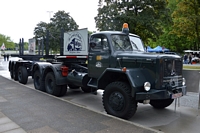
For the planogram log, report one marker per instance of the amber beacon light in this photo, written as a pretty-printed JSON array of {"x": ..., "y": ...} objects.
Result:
[{"x": 125, "y": 28}]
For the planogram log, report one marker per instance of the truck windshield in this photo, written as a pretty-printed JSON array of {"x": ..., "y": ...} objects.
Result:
[
  {"x": 136, "y": 43},
  {"x": 121, "y": 43}
]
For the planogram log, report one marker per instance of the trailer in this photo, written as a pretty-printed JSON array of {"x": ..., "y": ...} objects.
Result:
[
  {"x": 116, "y": 62},
  {"x": 23, "y": 68}
]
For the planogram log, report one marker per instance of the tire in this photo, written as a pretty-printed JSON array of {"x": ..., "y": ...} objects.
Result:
[
  {"x": 15, "y": 76},
  {"x": 63, "y": 90},
  {"x": 22, "y": 75},
  {"x": 117, "y": 100},
  {"x": 160, "y": 104},
  {"x": 38, "y": 83},
  {"x": 50, "y": 85},
  {"x": 11, "y": 70},
  {"x": 88, "y": 89},
  {"x": 11, "y": 74},
  {"x": 9, "y": 65}
]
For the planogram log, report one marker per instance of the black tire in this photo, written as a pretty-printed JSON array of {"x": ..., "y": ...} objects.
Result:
[
  {"x": 39, "y": 84},
  {"x": 22, "y": 75},
  {"x": 117, "y": 100},
  {"x": 11, "y": 74},
  {"x": 11, "y": 70},
  {"x": 63, "y": 90},
  {"x": 160, "y": 104},
  {"x": 15, "y": 76},
  {"x": 50, "y": 85},
  {"x": 88, "y": 89}
]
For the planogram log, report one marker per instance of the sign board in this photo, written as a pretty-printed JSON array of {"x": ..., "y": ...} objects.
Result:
[
  {"x": 3, "y": 47},
  {"x": 31, "y": 46},
  {"x": 76, "y": 42}
]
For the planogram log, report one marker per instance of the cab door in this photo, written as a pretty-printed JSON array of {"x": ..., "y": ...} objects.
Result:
[{"x": 99, "y": 55}]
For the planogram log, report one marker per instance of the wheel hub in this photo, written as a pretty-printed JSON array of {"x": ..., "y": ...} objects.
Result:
[{"x": 116, "y": 101}]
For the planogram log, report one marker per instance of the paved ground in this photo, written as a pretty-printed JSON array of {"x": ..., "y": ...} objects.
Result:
[{"x": 26, "y": 110}]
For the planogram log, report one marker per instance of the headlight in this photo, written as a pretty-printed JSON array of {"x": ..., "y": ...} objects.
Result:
[
  {"x": 147, "y": 86},
  {"x": 184, "y": 81}
]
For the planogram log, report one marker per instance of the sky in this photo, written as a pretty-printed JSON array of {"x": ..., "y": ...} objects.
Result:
[{"x": 18, "y": 18}]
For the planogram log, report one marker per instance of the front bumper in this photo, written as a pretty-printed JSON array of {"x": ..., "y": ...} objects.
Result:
[{"x": 161, "y": 94}]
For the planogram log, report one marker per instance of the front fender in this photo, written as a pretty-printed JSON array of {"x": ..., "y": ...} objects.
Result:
[{"x": 134, "y": 77}]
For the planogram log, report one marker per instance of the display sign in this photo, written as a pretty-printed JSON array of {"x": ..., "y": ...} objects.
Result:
[
  {"x": 76, "y": 42},
  {"x": 31, "y": 46}
]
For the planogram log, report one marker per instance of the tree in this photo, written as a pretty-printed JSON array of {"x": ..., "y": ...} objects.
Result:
[
  {"x": 145, "y": 17},
  {"x": 60, "y": 21},
  {"x": 169, "y": 39},
  {"x": 187, "y": 20},
  {"x": 7, "y": 42}
]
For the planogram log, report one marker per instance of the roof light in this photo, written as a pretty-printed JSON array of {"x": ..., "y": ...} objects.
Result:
[
  {"x": 125, "y": 25},
  {"x": 125, "y": 28},
  {"x": 124, "y": 69}
]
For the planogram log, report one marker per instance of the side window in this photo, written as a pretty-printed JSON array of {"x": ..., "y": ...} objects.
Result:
[{"x": 100, "y": 43}]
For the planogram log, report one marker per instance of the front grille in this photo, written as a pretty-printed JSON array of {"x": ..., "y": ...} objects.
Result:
[{"x": 172, "y": 67}]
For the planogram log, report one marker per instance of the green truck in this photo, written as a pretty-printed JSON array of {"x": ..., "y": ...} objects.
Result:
[{"x": 116, "y": 62}]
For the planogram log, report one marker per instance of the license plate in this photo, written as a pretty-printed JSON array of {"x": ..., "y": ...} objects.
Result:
[{"x": 177, "y": 95}]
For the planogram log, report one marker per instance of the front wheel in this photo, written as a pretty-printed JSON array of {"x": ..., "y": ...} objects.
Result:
[
  {"x": 15, "y": 74},
  {"x": 117, "y": 100},
  {"x": 160, "y": 104}
]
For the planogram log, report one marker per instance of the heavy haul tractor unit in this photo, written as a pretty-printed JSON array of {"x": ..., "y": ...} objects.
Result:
[{"x": 116, "y": 62}]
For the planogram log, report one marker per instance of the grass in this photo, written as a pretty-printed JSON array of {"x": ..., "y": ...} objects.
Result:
[{"x": 191, "y": 67}]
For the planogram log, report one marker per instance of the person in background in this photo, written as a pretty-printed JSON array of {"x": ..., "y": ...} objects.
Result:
[
  {"x": 7, "y": 56},
  {"x": 185, "y": 59},
  {"x": 4, "y": 55},
  {"x": 190, "y": 59}
]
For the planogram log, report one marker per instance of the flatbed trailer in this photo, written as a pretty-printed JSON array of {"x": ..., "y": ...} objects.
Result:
[{"x": 23, "y": 68}]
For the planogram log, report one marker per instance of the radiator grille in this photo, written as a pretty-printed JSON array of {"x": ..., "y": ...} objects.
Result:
[{"x": 172, "y": 67}]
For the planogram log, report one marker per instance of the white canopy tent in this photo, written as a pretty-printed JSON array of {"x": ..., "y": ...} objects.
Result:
[{"x": 191, "y": 51}]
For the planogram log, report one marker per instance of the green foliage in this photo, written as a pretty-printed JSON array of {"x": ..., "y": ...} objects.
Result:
[
  {"x": 186, "y": 19},
  {"x": 145, "y": 18},
  {"x": 7, "y": 42}
]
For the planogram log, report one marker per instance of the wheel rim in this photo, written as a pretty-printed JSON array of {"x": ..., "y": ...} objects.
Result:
[
  {"x": 116, "y": 101},
  {"x": 49, "y": 85},
  {"x": 37, "y": 83},
  {"x": 19, "y": 75}
]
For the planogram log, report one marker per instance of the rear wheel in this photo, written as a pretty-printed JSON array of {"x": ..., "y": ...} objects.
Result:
[
  {"x": 15, "y": 76},
  {"x": 22, "y": 75},
  {"x": 117, "y": 100},
  {"x": 37, "y": 80},
  {"x": 50, "y": 85},
  {"x": 10, "y": 69},
  {"x": 63, "y": 90},
  {"x": 160, "y": 104}
]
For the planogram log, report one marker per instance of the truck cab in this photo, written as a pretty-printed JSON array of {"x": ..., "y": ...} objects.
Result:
[{"x": 118, "y": 61}]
